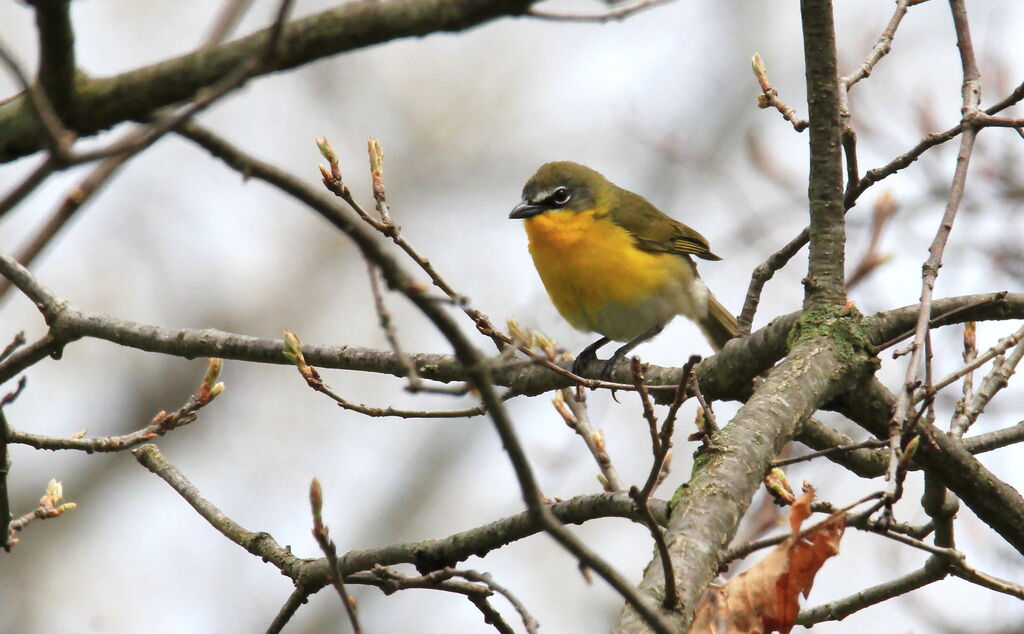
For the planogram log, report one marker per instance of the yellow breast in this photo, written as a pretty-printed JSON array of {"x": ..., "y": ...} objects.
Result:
[{"x": 597, "y": 278}]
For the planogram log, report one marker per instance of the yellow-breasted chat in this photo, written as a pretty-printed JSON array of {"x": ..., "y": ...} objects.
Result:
[{"x": 613, "y": 264}]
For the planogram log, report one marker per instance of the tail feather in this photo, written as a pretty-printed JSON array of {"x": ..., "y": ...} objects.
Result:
[{"x": 719, "y": 325}]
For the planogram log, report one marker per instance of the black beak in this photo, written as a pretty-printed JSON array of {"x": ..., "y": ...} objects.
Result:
[{"x": 526, "y": 209}]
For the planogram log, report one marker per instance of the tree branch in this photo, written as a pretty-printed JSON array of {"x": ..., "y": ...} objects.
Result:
[
  {"x": 56, "y": 53},
  {"x": 102, "y": 103}
]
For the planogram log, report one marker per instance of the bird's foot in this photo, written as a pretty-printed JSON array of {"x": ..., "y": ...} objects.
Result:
[
  {"x": 609, "y": 365},
  {"x": 588, "y": 355}
]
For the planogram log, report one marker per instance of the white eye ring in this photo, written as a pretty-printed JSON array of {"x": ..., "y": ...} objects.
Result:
[{"x": 561, "y": 196}]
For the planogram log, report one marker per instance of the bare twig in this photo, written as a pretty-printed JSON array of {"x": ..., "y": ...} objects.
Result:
[
  {"x": 997, "y": 379},
  {"x": 228, "y": 18},
  {"x": 645, "y": 401},
  {"x": 879, "y": 50},
  {"x": 884, "y": 210},
  {"x": 445, "y": 574},
  {"x": 65, "y": 211},
  {"x": 28, "y": 184},
  {"x": 296, "y": 599},
  {"x": 616, "y": 14},
  {"x": 17, "y": 342},
  {"x": 392, "y": 412},
  {"x": 661, "y": 446},
  {"x": 572, "y": 407},
  {"x": 50, "y": 505},
  {"x": 930, "y": 269},
  {"x": 384, "y": 318},
  {"x": 257, "y": 543},
  {"x": 5, "y": 500},
  {"x": 867, "y": 444},
  {"x": 293, "y": 352},
  {"x": 970, "y": 354},
  {"x": 764, "y": 272},
  {"x": 710, "y": 423},
  {"x": 161, "y": 424},
  {"x": 841, "y": 608},
  {"x": 680, "y": 395},
  {"x": 769, "y": 97},
  {"x": 323, "y": 539}
]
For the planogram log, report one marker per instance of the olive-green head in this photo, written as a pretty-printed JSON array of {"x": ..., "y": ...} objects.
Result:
[{"x": 562, "y": 185}]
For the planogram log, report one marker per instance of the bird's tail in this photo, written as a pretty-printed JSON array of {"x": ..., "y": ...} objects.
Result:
[{"x": 719, "y": 325}]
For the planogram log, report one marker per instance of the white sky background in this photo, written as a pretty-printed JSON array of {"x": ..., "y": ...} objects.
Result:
[{"x": 662, "y": 103}]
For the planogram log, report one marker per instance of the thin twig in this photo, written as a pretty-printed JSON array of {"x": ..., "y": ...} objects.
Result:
[
  {"x": 17, "y": 342},
  {"x": 841, "y": 608},
  {"x": 572, "y": 407},
  {"x": 386, "y": 324},
  {"x": 711, "y": 424},
  {"x": 884, "y": 210},
  {"x": 661, "y": 446},
  {"x": 615, "y": 14},
  {"x": 257, "y": 543},
  {"x": 294, "y": 352},
  {"x": 5, "y": 501},
  {"x": 970, "y": 354},
  {"x": 879, "y": 50},
  {"x": 296, "y": 599},
  {"x": 764, "y": 272},
  {"x": 645, "y": 401},
  {"x": 28, "y": 184},
  {"x": 323, "y": 539},
  {"x": 50, "y": 505},
  {"x": 92, "y": 183},
  {"x": 161, "y": 423},
  {"x": 867, "y": 444},
  {"x": 445, "y": 574},
  {"x": 997, "y": 379},
  {"x": 930, "y": 269},
  {"x": 392, "y": 412},
  {"x": 769, "y": 97},
  {"x": 227, "y": 20}
]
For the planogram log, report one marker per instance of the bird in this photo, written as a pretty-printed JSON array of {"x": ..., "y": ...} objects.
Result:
[{"x": 613, "y": 264}]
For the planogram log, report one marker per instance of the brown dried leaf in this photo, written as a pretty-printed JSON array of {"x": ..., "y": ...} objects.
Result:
[
  {"x": 765, "y": 598},
  {"x": 801, "y": 509}
]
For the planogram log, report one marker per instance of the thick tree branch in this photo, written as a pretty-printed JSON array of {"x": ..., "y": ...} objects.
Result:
[
  {"x": 995, "y": 502},
  {"x": 433, "y": 554},
  {"x": 824, "y": 285},
  {"x": 56, "y": 53},
  {"x": 102, "y": 103},
  {"x": 726, "y": 375},
  {"x": 707, "y": 512}
]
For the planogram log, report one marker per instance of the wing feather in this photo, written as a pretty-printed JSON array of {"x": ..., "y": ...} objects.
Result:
[{"x": 654, "y": 231}]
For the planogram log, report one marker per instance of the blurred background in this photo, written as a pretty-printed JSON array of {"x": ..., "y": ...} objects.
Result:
[{"x": 662, "y": 103}]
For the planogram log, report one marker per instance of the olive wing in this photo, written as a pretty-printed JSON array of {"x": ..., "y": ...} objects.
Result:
[{"x": 654, "y": 231}]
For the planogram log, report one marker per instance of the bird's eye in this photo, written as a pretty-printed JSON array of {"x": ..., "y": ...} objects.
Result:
[{"x": 561, "y": 196}]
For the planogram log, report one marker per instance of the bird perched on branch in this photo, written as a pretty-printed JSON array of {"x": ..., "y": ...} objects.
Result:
[{"x": 613, "y": 264}]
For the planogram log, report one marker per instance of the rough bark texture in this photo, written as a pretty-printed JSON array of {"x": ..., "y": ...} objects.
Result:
[
  {"x": 706, "y": 511},
  {"x": 824, "y": 282}
]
